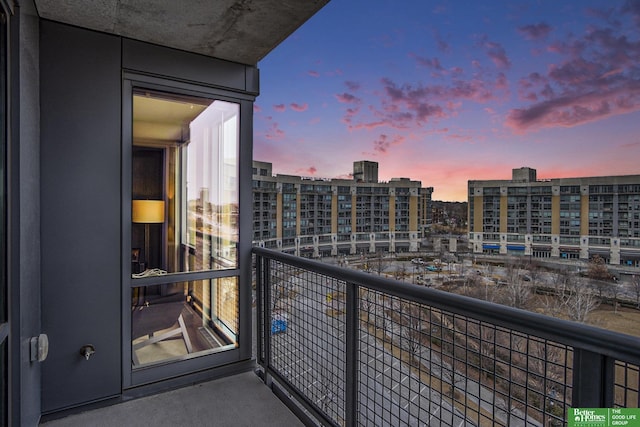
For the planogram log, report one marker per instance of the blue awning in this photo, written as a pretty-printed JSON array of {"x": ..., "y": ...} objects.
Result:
[
  {"x": 488, "y": 246},
  {"x": 515, "y": 247}
]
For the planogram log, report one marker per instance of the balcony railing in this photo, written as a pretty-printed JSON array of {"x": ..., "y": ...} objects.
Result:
[{"x": 346, "y": 348}]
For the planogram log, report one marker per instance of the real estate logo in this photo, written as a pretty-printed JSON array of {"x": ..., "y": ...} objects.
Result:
[
  {"x": 603, "y": 417},
  {"x": 590, "y": 417}
]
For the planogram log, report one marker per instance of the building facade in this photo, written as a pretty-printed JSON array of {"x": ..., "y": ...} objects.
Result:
[
  {"x": 326, "y": 217},
  {"x": 564, "y": 218}
]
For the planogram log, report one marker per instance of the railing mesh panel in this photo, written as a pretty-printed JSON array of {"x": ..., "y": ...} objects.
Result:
[
  {"x": 308, "y": 335},
  {"x": 424, "y": 366},
  {"x": 415, "y": 363},
  {"x": 626, "y": 385}
]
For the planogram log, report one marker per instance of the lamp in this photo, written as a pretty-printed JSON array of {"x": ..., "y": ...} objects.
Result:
[{"x": 147, "y": 212}]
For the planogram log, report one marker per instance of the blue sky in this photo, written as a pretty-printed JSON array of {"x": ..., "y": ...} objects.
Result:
[{"x": 447, "y": 91}]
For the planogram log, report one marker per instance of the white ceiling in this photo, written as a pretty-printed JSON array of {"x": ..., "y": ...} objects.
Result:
[{"x": 242, "y": 31}]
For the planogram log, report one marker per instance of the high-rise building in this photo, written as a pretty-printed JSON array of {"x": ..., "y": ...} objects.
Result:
[
  {"x": 322, "y": 217},
  {"x": 566, "y": 218}
]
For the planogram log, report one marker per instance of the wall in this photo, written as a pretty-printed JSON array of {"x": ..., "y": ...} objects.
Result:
[{"x": 80, "y": 208}]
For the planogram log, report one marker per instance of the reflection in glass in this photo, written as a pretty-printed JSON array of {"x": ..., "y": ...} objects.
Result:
[
  {"x": 183, "y": 320},
  {"x": 212, "y": 188},
  {"x": 185, "y": 155}
]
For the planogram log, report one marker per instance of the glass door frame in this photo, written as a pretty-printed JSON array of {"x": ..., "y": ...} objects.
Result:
[{"x": 211, "y": 365}]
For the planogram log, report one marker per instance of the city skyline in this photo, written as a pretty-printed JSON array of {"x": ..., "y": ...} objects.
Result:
[{"x": 446, "y": 92}]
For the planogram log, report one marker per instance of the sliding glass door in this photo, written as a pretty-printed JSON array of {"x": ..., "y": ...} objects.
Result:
[{"x": 183, "y": 287}]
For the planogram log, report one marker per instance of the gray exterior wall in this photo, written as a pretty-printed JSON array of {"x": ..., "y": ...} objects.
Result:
[
  {"x": 29, "y": 142},
  {"x": 81, "y": 205}
]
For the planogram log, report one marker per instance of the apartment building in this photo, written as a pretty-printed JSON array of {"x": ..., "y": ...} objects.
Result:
[
  {"x": 324, "y": 217},
  {"x": 565, "y": 218}
]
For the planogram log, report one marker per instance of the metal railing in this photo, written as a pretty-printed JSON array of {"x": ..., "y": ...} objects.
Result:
[{"x": 347, "y": 348}]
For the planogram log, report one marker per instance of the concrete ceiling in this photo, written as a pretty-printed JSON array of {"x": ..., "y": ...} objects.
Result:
[{"x": 242, "y": 31}]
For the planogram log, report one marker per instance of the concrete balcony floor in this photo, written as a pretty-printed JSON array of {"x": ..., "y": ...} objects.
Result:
[{"x": 239, "y": 400}]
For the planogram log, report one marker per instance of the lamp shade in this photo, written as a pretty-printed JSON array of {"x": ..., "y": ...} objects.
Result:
[{"x": 147, "y": 211}]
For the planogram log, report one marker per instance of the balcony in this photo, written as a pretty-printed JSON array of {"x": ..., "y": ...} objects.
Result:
[{"x": 342, "y": 348}]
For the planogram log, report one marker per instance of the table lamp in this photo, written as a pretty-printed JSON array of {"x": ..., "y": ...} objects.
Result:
[{"x": 147, "y": 212}]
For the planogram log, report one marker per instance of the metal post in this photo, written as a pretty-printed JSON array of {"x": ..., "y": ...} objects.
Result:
[
  {"x": 593, "y": 377},
  {"x": 260, "y": 324},
  {"x": 352, "y": 318},
  {"x": 266, "y": 311}
]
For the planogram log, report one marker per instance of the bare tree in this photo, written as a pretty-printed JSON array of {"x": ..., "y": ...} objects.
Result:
[
  {"x": 327, "y": 385},
  {"x": 578, "y": 301},
  {"x": 380, "y": 263},
  {"x": 599, "y": 273},
  {"x": 411, "y": 320},
  {"x": 367, "y": 265},
  {"x": 615, "y": 292},
  {"x": 517, "y": 290},
  {"x": 283, "y": 289},
  {"x": 535, "y": 273},
  {"x": 367, "y": 303},
  {"x": 598, "y": 269},
  {"x": 400, "y": 272}
]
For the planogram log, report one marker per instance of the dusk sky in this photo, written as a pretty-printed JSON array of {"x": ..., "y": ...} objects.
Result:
[{"x": 447, "y": 91}]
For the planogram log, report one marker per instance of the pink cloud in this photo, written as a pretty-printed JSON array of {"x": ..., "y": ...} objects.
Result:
[
  {"x": 313, "y": 73},
  {"x": 347, "y": 175},
  {"x": 430, "y": 63},
  {"x": 596, "y": 79},
  {"x": 631, "y": 145},
  {"x": 280, "y": 108},
  {"x": 347, "y": 98},
  {"x": 632, "y": 8},
  {"x": 403, "y": 106},
  {"x": 299, "y": 107},
  {"x": 502, "y": 82},
  {"x": 457, "y": 71},
  {"x": 274, "y": 133},
  {"x": 442, "y": 45},
  {"x": 336, "y": 72},
  {"x": 535, "y": 31},
  {"x": 459, "y": 138},
  {"x": 349, "y": 114},
  {"x": 352, "y": 86},
  {"x": 577, "y": 109},
  {"x": 257, "y": 108},
  {"x": 311, "y": 170},
  {"x": 383, "y": 143},
  {"x": 368, "y": 126},
  {"x": 496, "y": 53}
]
